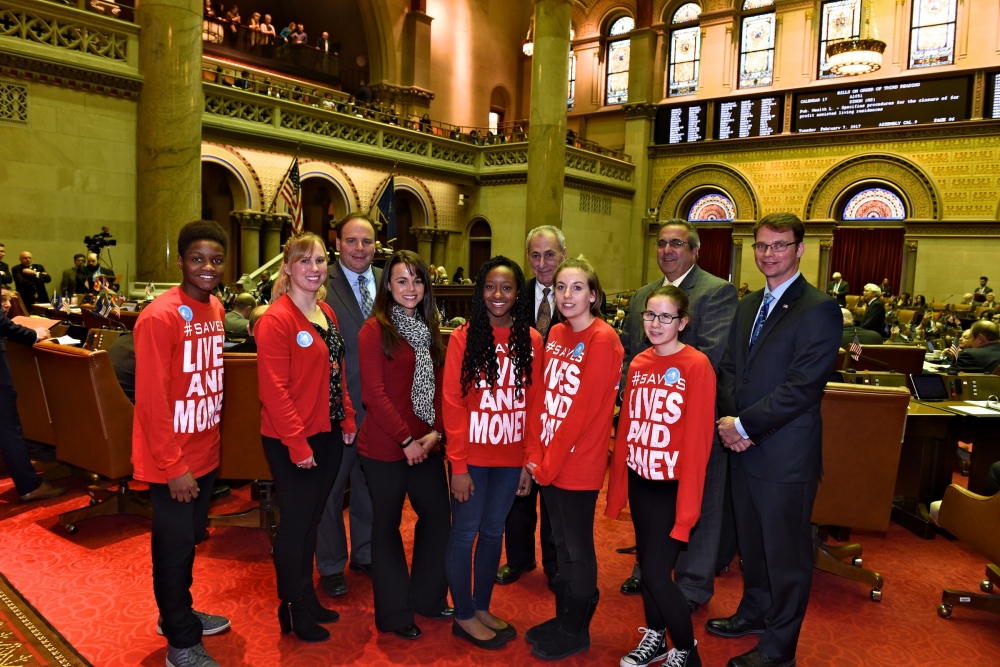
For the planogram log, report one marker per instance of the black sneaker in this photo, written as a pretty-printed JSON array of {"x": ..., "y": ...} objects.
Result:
[
  {"x": 651, "y": 649},
  {"x": 679, "y": 658}
]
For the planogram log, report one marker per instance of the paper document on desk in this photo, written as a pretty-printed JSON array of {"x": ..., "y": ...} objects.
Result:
[
  {"x": 976, "y": 410},
  {"x": 66, "y": 340}
]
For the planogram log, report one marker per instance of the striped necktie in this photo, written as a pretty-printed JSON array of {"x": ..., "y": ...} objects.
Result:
[
  {"x": 366, "y": 296},
  {"x": 761, "y": 317}
]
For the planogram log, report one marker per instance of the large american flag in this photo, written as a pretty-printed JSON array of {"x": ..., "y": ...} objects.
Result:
[{"x": 291, "y": 192}]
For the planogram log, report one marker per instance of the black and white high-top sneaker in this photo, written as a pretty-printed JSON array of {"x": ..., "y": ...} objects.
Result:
[
  {"x": 678, "y": 658},
  {"x": 651, "y": 649}
]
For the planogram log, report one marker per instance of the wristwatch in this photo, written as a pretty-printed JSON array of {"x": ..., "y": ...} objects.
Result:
[{"x": 406, "y": 443}]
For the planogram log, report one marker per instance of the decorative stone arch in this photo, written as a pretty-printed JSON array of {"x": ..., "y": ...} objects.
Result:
[
  {"x": 384, "y": 47},
  {"x": 703, "y": 178},
  {"x": 922, "y": 198},
  {"x": 415, "y": 188},
  {"x": 664, "y": 9},
  {"x": 610, "y": 13},
  {"x": 333, "y": 174},
  {"x": 247, "y": 191}
]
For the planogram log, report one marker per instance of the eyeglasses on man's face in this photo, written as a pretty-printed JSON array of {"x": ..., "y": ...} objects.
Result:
[
  {"x": 777, "y": 246},
  {"x": 664, "y": 318},
  {"x": 673, "y": 243}
]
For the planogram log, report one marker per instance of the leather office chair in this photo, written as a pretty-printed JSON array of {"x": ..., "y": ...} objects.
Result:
[
  {"x": 972, "y": 518},
  {"x": 242, "y": 455},
  {"x": 31, "y": 404},
  {"x": 905, "y": 316},
  {"x": 92, "y": 418},
  {"x": 17, "y": 307},
  {"x": 905, "y": 359},
  {"x": 859, "y": 476},
  {"x": 851, "y": 301}
]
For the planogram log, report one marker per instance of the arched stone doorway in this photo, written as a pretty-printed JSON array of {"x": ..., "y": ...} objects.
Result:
[
  {"x": 323, "y": 204},
  {"x": 410, "y": 215},
  {"x": 217, "y": 203},
  {"x": 480, "y": 245}
]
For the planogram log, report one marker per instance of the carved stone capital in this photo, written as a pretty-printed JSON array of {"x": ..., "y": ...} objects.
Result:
[
  {"x": 423, "y": 233},
  {"x": 261, "y": 220},
  {"x": 402, "y": 94},
  {"x": 825, "y": 244},
  {"x": 639, "y": 110},
  {"x": 911, "y": 245},
  {"x": 738, "y": 243}
]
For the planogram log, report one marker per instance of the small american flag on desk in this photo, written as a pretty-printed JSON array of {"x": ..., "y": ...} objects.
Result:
[
  {"x": 147, "y": 294},
  {"x": 855, "y": 348},
  {"x": 103, "y": 306},
  {"x": 953, "y": 350},
  {"x": 59, "y": 304}
]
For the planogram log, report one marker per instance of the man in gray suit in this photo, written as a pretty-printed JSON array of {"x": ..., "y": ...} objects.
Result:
[
  {"x": 350, "y": 291},
  {"x": 713, "y": 303}
]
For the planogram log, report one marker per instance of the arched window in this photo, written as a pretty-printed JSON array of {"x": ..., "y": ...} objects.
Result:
[
  {"x": 840, "y": 19},
  {"x": 619, "y": 50},
  {"x": 572, "y": 81},
  {"x": 757, "y": 44},
  {"x": 932, "y": 33},
  {"x": 875, "y": 204},
  {"x": 685, "y": 51},
  {"x": 712, "y": 207}
]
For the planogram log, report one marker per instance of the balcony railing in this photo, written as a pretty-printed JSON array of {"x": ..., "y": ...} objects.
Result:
[{"x": 116, "y": 10}]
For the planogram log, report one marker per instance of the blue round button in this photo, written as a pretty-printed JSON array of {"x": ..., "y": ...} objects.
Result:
[
  {"x": 186, "y": 313},
  {"x": 304, "y": 339}
]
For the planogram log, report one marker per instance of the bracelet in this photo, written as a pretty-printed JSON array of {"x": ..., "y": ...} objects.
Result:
[{"x": 406, "y": 443}]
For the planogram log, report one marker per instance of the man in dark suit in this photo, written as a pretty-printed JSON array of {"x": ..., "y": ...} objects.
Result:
[
  {"x": 5, "y": 277},
  {"x": 984, "y": 355},
  {"x": 73, "y": 278},
  {"x": 546, "y": 249},
  {"x": 874, "y": 319},
  {"x": 865, "y": 337},
  {"x": 30, "y": 280},
  {"x": 982, "y": 289},
  {"x": 712, "y": 305},
  {"x": 838, "y": 288},
  {"x": 350, "y": 291},
  {"x": 93, "y": 270},
  {"x": 782, "y": 347},
  {"x": 249, "y": 345}
]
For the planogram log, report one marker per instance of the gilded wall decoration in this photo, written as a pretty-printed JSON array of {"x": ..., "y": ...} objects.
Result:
[
  {"x": 13, "y": 102},
  {"x": 908, "y": 177},
  {"x": 708, "y": 175},
  {"x": 34, "y": 26}
]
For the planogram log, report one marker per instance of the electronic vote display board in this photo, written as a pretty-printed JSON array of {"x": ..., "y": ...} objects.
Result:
[
  {"x": 992, "y": 107},
  {"x": 882, "y": 104},
  {"x": 749, "y": 117},
  {"x": 681, "y": 123}
]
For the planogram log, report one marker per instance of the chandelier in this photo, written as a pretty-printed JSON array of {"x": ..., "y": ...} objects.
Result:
[{"x": 850, "y": 57}]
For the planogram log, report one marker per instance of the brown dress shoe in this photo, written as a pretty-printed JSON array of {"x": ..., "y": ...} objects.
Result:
[{"x": 43, "y": 492}]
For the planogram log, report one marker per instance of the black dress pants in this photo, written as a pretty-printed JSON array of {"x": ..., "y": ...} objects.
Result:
[
  {"x": 424, "y": 589},
  {"x": 302, "y": 495},
  {"x": 13, "y": 446},
  {"x": 177, "y": 528},
  {"x": 519, "y": 532},
  {"x": 572, "y": 516}
]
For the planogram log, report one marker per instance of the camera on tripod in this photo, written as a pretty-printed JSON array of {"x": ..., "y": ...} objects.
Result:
[{"x": 97, "y": 241}]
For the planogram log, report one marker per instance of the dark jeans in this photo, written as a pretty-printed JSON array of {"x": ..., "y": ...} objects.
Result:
[
  {"x": 654, "y": 509},
  {"x": 572, "y": 517},
  {"x": 424, "y": 589},
  {"x": 13, "y": 446},
  {"x": 302, "y": 495},
  {"x": 177, "y": 528},
  {"x": 519, "y": 533},
  {"x": 483, "y": 514}
]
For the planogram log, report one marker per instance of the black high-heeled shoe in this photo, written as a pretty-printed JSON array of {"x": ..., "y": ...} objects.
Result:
[
  {"x": 294, "y": 617},
  {"x": 316, "y": 609}
]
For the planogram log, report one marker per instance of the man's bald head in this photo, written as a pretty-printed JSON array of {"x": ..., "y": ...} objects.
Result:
[
  {"x": 244, "y": 304},
  {"x": 254, "y": 316},
  {"x": 848, "y": 317}
]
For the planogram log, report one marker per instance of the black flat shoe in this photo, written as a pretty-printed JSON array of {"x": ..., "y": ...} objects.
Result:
[
  {"x": 494, "y": 642},
  {"x": 632, "y": 586},
  {"x": 361, "y": 568},
  {"x": 734, "y": 626},
  {"x": 507, "y": 631},
  {"x": 508, "y": 574},
  {"x": 334, "y": 584},
  {"x": 411, "y": 631},
  {"x": 445, "y": 614}
]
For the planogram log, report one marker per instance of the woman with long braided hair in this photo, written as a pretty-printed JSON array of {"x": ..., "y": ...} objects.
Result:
[{"x": 493, "y": 367}]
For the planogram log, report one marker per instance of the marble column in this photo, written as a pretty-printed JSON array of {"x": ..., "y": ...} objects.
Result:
[
  {"x": 250, "y": 224},
  {"x": 168, "y": 142},
  {"x": 737, "y": 262},
  {"x": 272, "y": 237},
  {"x": 425, "y": 242},
  {"x": 547, "y": 129},
  {"x": 438, "y": 249}
]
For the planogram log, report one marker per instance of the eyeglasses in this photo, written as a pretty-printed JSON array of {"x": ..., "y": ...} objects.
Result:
[
  {"x": 777, "y": 246},
  {"x": 664, "y": 318},
  {"x": 673, "y": 243}
]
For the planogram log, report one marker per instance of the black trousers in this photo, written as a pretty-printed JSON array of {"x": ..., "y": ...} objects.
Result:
[
  {"x": 177, "y": 528},
  {"x": 302, "y": 495},
  {"x": 654, "y": 509},
  {"x": 774, "y": 529},
  {"x": 572, "y": 516},
  {"x": 424, "y": 589},
  {"x": 13, "y": 446},
  {"x": 519, "y": 532}
]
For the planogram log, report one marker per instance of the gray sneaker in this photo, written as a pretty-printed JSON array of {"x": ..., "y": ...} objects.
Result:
[
  {"x": 210, "y": 625},
  {"x": 189, "y": 657}
]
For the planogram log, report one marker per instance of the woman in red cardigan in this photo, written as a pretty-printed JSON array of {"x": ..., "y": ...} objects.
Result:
[
  {"x": 401, "y": 357},
  {"x": 305, "y": 413}
]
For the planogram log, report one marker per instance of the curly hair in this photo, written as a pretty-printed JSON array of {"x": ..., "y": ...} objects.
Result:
[{"x": 480, "y": 360}]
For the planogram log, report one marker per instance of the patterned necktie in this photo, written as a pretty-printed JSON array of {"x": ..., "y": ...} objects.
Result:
[
  {"x": 366, "y": 297},
  {"x": 544, "y": 319},
  {"x": 759, "y": 324}
]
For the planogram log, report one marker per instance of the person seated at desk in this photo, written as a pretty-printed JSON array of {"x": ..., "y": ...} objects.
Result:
[
  {"x": 967, "y": 299},
  {"x": 864, "y": 336},
  {"x": 249, "y": 346},
  {"x": 874, "y": 319},
  {"x": 237, "y": 320},
  {"x": 984, "y": 354}
]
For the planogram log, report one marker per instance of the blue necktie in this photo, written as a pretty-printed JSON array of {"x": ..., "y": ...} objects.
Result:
[{"x": 759, "y": 324}]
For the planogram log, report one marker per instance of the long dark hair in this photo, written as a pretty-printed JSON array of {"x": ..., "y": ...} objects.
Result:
[
  {"x": 426, "y": 310},
  {"x": 480, "y": 350}
]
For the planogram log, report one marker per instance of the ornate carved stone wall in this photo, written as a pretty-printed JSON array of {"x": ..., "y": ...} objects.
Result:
[
  {"x": 919, "y": 189},
  {"x": 716, "y": 175}
]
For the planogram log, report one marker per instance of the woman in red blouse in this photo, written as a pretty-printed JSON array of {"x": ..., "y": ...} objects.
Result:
[
  {"x": 305, "y": 413},
  {"x": 401, "y": 357}
]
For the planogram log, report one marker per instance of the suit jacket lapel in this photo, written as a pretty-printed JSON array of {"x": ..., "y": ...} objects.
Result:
[
  {"x": 342, "y": 290},
  {"x": 778, "y": 311}
]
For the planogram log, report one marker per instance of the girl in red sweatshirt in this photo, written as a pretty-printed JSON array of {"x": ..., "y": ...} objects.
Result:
[
  {"x": 492, "y": 372},
  {"x": 569, "y": 428},
  {"x": 661, "y": 454}
]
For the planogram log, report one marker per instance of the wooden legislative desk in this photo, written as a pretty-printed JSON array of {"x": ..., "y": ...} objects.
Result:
[
  {"x": 456, "y": 300},
  {"x": 87, "y": 317}
]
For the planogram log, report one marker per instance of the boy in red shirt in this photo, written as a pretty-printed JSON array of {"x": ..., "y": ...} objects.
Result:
[{"x": 175, "y": 433}]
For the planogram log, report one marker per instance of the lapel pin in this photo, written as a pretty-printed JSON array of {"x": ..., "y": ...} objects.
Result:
[{"x": 785, "y": 306}]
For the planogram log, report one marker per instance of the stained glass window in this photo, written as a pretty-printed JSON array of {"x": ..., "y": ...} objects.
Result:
[
  {"x": 572, "y": 80},
  {"x": 619, "y": 51},
  {"x": 840, "y": 19},
  {"x": 932, "y": 33},
  {"x": 685, "y": 52},
  {"x": 713, "y": 207},
  {"x": 875, "y": 204},
  {"x": 757, "y": 4},
  {"x": 688, "y": 12},
  {"x": 757, "y": 49}
]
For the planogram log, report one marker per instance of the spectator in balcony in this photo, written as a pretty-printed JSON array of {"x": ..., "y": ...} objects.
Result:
[
  {"x": 570, "y": 138},
  {"x": 324, "y": 44},
  {"x": 328, "y": 102},
  {"x": 266, "y": 37},
  {"x": 364, "y": 94},
  {"x": 253, "y": 26},
  {"x": 425, "y": 123},
  {"x": 267, "y": 88},
  {"x": 300, "y": 36},
  {"x": 244, "y": 81},
  {"x": 233, "y": 16},
  {"x": 474, "y": 137},
  {"x": 315, "y": 98},
  {"x": 490, "y": 138},
  {"x": 211, "y": 29}
]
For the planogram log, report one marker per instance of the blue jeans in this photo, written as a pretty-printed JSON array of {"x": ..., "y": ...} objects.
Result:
[{"x": 484, "y": 513}]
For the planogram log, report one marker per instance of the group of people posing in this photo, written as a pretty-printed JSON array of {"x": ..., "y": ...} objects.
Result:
[{"x": 522, "y": 398}]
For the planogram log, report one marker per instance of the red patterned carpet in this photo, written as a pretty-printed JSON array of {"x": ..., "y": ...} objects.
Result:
[{"x": 95, "y": 588}]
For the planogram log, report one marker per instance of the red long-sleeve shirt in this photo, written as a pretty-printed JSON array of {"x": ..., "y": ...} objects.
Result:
[
  {"x": 665, "y": 430},
  {"x": 294, "y": 378},
  {"x": 178, "y": 387},
  {"x": 385, "y": 391},
  {"x": 569, "y": 424},
  {"x": 487, "y": 426}
]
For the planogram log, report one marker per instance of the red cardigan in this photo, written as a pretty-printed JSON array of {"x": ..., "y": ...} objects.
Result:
[
  {"x": 385, "y": 391},
  {"x": 295, "y": 380}
]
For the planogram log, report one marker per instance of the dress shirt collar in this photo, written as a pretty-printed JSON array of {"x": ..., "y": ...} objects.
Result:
[
  {"x": 778, "y": 291},
  {"x": 352, "y": 277},
  {"x": 667, "y": 281}
]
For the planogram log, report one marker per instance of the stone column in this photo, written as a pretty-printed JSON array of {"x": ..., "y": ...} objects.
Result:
[
  {"x": 425, "y": 240},
  {"x": 825, "y": 248},
  {"x": 909, "y": 266},
  {"x": 547, "y": 129},
  {"x": 438, "y": 251},
  {"x": 168, "y": 143},
  {"x": 272, "y": 226},
  {"x": 250, "y": 224},
  {"x": 737, "y": 261}
]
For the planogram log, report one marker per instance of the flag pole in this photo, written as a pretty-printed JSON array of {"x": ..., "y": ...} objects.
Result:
[{"x": 281, "y": 183}]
